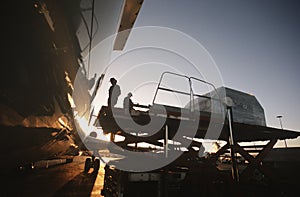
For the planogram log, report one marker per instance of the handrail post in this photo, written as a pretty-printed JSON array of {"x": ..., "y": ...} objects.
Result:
[
  {"x": 235, "y": 173},
  {"x": 166, "y": 140}
]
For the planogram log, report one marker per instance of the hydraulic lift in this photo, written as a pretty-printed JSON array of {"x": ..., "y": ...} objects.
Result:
[{"x": 190, "y": 173}]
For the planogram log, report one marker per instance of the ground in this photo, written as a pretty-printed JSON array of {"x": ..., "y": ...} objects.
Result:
[{"x": 60, "y": 180}]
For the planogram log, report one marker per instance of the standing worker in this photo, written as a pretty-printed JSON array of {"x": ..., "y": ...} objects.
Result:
[{"x": 114, "y": 93}]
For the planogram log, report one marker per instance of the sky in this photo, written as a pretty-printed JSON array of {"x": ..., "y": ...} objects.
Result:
[{"x": 255, "y": 45}]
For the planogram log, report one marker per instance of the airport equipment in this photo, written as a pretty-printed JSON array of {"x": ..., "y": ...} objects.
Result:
[{"x": 244, "y": 121}]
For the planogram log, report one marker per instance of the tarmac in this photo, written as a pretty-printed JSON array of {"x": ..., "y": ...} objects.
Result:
[
  {"x": 66, "y": 179},
  {"x": 60, "y": 178}
]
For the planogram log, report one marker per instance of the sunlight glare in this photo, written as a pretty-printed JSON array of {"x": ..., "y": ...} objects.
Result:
[{"x": 87, "y": 129}]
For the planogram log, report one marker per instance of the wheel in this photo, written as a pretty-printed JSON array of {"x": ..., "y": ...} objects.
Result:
[
  {"x": 87, "y": 164},
  {"x": 96, "y": 165}
]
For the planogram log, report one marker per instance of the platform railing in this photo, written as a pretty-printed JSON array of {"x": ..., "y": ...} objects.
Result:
[{"x": 190, "y": 92}]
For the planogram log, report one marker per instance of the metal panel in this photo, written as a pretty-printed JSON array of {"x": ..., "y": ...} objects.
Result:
[
  {"x": 246, "y": 108},
  {"x": 130, "y": 12}
]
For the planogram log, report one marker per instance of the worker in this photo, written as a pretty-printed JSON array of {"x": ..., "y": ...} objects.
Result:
[
  {"x": 127, "y": 103},
  {"x": 114, "y": 93}
]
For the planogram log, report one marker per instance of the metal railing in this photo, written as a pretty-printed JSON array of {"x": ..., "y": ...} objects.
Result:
[{"x": 191, "y": 91}]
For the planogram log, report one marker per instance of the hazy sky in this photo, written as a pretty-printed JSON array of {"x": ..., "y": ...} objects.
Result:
[{"x": 256, "y": 45}]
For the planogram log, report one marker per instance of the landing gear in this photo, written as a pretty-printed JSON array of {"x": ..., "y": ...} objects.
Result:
[
  {"x": 96, "y": 165},
  {"x": 87, "y": 164},
  {"x": 92, "y": 163}
]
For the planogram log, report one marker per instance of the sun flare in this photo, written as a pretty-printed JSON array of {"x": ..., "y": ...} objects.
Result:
[{"x": 88, "y": 128}]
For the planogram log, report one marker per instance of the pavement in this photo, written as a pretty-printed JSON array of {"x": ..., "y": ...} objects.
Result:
[{"x": 57, "y": 180}]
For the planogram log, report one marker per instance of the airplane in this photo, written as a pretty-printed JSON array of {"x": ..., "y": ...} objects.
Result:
[{"x": 46, "y": 45}]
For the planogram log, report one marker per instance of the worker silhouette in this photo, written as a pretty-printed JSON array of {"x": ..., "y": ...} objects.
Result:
[
  {"x": 127, "y": 103},
  {"x": 114, "y": 93}
]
